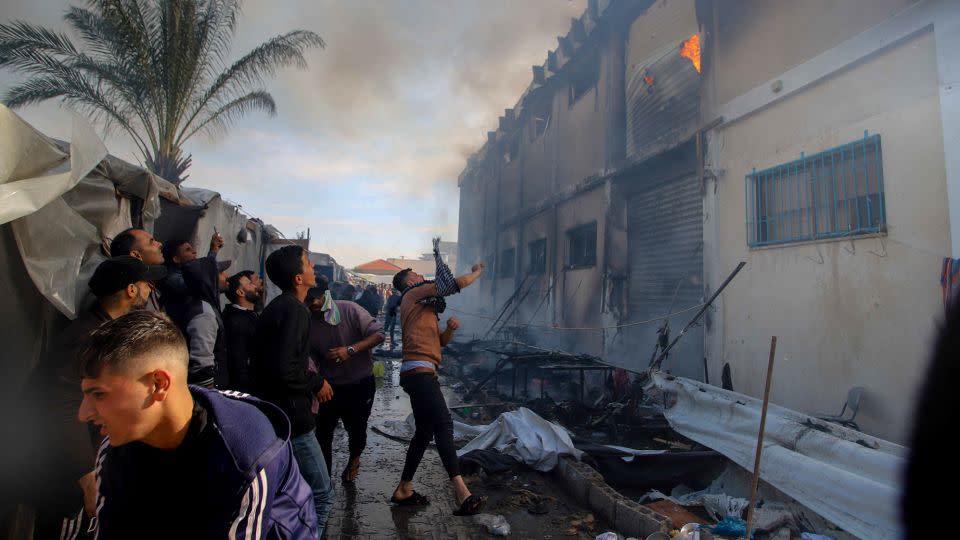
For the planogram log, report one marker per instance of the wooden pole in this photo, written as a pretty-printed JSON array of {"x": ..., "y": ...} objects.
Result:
[{"x": 763, "y": 423}]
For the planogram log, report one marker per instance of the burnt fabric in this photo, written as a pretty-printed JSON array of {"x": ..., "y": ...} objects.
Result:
[
  {"x": 432, "y": 420},
  {"x": 490, "y": 461}
]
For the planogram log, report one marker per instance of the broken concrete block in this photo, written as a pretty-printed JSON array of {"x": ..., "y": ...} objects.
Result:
[{"x": 603, "y": 500}]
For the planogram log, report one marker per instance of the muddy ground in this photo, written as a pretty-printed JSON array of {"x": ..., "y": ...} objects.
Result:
[{"x": 362, "y": 510}]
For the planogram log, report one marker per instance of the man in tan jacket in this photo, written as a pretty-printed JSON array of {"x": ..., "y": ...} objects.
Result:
[{"x": 420, "y": 308}]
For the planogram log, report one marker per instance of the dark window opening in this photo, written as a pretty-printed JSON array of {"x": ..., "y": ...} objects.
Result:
[
  {"x": 540, "y": 118},
  {"x": 512, "y": 150},
  {"x": 584, "y": 77},
  {"x": 507, "y": 263},
  {"x": 582, "y": 246},
  {"x": 538, "y": 256}
]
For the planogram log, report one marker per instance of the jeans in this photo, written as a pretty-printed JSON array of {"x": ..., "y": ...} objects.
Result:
[
  {"x": 314, "y": 471},
  {"x": 389, "y": 326},
  {"x": 352, "y": 404},
  {"x": 432, "y": 419}
]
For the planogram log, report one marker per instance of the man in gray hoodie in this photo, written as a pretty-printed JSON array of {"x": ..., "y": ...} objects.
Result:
[{"x": 200, "y": 321}]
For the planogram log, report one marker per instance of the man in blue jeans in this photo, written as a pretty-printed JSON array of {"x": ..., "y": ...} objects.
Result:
[{"x": 278, "y": 368}]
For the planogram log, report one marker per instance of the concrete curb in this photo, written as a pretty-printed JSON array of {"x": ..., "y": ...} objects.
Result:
[{"x": 588, "y": 487}]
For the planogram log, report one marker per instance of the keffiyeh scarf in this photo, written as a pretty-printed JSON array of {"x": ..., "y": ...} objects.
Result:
[
  {"x": 446, "y": 283},
  {"x": 331, "y": 313}
]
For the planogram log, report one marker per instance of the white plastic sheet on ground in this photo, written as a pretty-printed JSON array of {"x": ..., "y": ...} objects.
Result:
[
  {"x": 849, "y": 478},
  {"x": 527, "y": 437}
]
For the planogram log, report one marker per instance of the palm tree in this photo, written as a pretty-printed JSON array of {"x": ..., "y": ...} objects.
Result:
[{"x": 154, "y": 68}]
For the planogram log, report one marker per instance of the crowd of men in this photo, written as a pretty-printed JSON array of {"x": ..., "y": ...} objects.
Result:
[{"x": 221, "y": 419}]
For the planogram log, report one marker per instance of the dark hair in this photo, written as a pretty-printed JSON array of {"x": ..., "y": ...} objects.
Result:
[
  {"x": 284, "y": 264},
  {"x": 247, "y": 273},
  {"x": 233, "y": 283},
  {"x": 172, "y": 249},
  {"x": 119, "y": 344},
  {"x": 123, "y": 243},
  {"x": 400, "y": 277}
]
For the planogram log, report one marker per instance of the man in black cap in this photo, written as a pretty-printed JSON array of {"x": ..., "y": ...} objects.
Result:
[
  {"x": 62, "y": 448},
  {"x": 200, "y": 321}
]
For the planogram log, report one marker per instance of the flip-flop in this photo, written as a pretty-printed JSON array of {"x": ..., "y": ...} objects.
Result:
[
  {"x": 470, "y": 506},
  {"x": 413, "y": 500}
]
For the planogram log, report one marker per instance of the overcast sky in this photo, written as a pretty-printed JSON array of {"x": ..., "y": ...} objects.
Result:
[{"x": 368, "y": 142}]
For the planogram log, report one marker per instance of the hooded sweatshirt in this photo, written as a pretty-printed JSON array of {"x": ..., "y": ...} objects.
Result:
[
  {"x": 200, "y": 321},
  {"x": 234, "y": 476}
]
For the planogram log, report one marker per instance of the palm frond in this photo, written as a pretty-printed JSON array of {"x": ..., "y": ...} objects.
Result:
[
  {"x": 232, "y": 111},
  {"x": 280, "y": 51}
]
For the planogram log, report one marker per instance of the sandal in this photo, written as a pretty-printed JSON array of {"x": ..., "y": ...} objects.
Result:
[
  {"x": 470, "y": 506},
  {"x": 350, "y": 474},
  {"x": 413, "y": 500}
]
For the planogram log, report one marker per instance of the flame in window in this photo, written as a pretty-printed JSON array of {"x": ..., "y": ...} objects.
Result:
[{"x": 691, "y": 49}]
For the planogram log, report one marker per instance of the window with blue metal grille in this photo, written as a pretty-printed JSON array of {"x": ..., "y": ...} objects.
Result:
[{"x": 833, "y": 194}]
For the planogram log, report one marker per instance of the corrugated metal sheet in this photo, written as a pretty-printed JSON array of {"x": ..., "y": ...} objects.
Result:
[
  {"x": 663, "y": 103},
  {"x": 665, "y": 244}
]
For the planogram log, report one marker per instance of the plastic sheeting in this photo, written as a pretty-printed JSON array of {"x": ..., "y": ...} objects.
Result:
[
  {"x": 847, "y": 477},
  {"x": 28, "y": 159},
  {"x": 527, "y": 437}
]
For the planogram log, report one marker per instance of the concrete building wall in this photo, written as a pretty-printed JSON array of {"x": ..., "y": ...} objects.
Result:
[
  {"x": 853, "y": 312},
  {"x": 580, "y": 289},
  {"x": 759, "y": 39}
]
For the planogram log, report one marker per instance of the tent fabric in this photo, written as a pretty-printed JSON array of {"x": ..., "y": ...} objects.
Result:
[
  {"x": 527, "y": 437},
  {"x": 29, "y": 179},
  {"x": 847, "y": 477}
]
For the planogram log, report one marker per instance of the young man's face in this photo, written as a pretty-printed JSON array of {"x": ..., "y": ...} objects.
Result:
[
  {"x": 185, "y": 253},
  {"x": 120, "y": 405},
  {"x": 413, "y": 278},
  {"x": 148, "y": 247},
  {"x": 248, "y": 289},
  {"x": 257, "y": 282},
  {"x": 308, "y": 275}
]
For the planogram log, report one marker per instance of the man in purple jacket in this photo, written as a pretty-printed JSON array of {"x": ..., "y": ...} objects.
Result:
[
  {"x": 342, "y": 336},
  {"x": 214, "y": 464}
]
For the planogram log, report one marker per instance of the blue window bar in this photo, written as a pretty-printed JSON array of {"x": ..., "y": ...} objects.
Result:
[{"x": 833, "y": 194}]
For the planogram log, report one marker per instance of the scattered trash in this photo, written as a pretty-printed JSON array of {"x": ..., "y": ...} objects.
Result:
[
  {"x": 812, "y": 536},
  {"x": 676, "y": 513},
  {"x": 609, "y": 535},
  {"x": 731, "y": 526},
  {"x": 495, "y": 524},
  {"x": 378, "y": 369},
  {"x": 659, "y": 536},
  {"x": 539, "y": 508},
  {"x": 585, "y": 524}
]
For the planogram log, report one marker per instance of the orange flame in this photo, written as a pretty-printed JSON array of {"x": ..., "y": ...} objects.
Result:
[
  {"x": 691, "y": 49},
  {"x": 648, "y": 80}
]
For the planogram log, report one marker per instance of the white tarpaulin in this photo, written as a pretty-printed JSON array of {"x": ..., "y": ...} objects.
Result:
[
  {"x": 27, "y": 160},
  {"x": 849, "y": 478},
  {"x": 527, "y": 437}
]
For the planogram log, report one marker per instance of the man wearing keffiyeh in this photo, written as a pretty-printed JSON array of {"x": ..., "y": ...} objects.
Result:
[{"x": 421, "y": 304}]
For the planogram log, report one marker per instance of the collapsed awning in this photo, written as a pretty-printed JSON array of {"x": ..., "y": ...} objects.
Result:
[{"x": 847, "y": 477}]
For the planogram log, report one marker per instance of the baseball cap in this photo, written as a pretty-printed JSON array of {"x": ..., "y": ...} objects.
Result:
[{"x": 117, "y": 272}]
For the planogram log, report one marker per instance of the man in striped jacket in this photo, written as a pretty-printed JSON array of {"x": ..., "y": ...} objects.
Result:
[{"x": 183, "y": 461}]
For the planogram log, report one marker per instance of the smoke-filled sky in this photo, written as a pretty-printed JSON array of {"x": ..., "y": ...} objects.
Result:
[{"x": 368, "y": 141}]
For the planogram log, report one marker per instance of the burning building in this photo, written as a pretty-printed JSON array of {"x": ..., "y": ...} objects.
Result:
[{"x": 661, "y": 143}]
